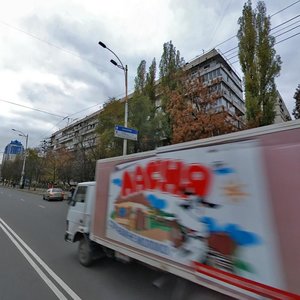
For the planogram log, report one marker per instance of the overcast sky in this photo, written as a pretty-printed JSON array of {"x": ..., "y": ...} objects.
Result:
[{"x": 50, "y": 59}]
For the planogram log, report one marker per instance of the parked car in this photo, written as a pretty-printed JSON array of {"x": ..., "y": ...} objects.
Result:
[{"x": 54, "y": 194}]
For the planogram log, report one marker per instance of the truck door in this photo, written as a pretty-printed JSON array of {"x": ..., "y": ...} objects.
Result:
[{"x": 77, "y": 211}]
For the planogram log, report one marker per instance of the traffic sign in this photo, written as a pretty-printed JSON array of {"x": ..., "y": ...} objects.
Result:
[{"x": 126, "y": 133}]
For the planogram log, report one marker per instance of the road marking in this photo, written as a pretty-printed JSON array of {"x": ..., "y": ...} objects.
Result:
[
  {"x": 56, "y": 291},
  {"x": 41, "y": 206},
  {"x": 18, "y": 242},
  {"x": 22, "y": 200}
]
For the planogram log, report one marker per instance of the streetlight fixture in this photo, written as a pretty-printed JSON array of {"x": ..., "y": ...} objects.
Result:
[
  {"x": 125, "y": 69},
  {"x": 24, "y": 161}
]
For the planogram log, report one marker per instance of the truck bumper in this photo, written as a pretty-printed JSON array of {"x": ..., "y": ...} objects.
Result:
[{"x": 68, "y": 238}]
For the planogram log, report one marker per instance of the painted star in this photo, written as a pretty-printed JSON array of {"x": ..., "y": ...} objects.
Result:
[{"x": 234, "y": 191}]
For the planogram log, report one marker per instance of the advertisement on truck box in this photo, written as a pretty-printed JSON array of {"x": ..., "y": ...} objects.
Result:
[{"x": 207, "y": 208}]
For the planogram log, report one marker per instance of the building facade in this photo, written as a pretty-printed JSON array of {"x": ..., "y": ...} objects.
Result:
[
  {"x": 214, "y": 69},
  {"x": 13, "y": 149},
  {"x": 210, "y": 66},
  {"x": 78, "y": 135},
  {"x": 282, "y": 113}
]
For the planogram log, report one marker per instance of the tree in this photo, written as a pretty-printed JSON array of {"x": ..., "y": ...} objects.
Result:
[
  {"x": 112, "y": 114},
  {"x": 51, "y": 166},
  {"x": 142, "y": 109},
  {"x": 139, "y": 117},
  {"x": 83, "y": 168},
  {"x": 259, "y": 63},
  {"x": 296, "y": 110},
  {"x": 140, "y": 79},
  {"x": 66, "y": 160},
  {"x": 196, "y": 113},
  {"x": 169, "y": 72},
  {"x": 11, "y": 170},
  {"x": 33, "y": 166},
  {"x": 150, "y": 87},
  {"x": 170, "y": 63}
]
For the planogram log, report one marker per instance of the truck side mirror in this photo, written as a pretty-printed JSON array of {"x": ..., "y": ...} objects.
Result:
[{"x": 71, "y": 201}]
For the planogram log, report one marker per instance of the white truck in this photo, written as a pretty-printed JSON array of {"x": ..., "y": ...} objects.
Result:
[{"x": 222, "y": 212}]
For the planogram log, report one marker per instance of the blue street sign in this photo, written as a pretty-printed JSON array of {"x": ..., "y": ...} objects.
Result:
[{"x": 126, "y": 133}]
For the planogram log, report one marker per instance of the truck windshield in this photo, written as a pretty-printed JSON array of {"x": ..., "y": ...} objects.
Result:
[{"x": 80, "y": 194}]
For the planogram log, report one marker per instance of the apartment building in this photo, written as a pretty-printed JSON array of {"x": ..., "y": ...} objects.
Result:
[
  {"x": 211, "y": 65},
  {"x": 13, "y": 149},
  {"x": 214, "y": 69},
  {"x": 282, "y": 113},
  {"x": 78, "y": 135}
]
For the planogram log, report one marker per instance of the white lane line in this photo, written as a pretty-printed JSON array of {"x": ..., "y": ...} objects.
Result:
[
  {"x": 22, "y": 200},
  {"x": 41, "y": 206},
  {"x": 42, "y": 263},
  {"x": 55, "y": 290}
]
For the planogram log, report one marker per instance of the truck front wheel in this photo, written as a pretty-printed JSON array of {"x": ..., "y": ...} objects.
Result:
[{"x": 85, "y": 253}]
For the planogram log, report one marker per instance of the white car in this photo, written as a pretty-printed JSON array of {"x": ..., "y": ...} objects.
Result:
[{"x": 54, "y": 194}]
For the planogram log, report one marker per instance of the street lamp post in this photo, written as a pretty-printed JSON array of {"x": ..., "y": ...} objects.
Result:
[
  {"x": 125, "y": 69},
  {"x": 24, "y": 160}
]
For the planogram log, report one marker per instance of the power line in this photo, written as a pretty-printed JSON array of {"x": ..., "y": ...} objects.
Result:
[
  {"x": 93, "y": 62},
  {"x": 49, "y": 43},
  {"x": 220, "y": 22},
  {"x": 286, "y": 27},
  {"x": 276, "y": 43},
  {"x": 287, "y": 38},
  {"x": 225, "y": 41},
  {"x": 285, "y": 8},
  {"x": 291, "y": 29},
  {"x": 287, "y": 31},
  {"x": 271, "y": 30},
  {"x": 230, "y": 50},
  {"x": 52, "y": 45},
  {"x": 35, "y": 109},
  {"x": 275, "y": 37},
  {"x": 285, "y": 22},
  {"x": 48, "y": 131},
  {"x": 52, "y": 114},
  {"x": 232, "y": 56},
  {"x": 80, "y": 111}
]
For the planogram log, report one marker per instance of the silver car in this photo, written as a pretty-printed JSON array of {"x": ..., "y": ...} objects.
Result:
[{"x": 54, "y": 194}]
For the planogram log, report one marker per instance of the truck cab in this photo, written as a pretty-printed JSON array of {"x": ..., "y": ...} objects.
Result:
[{"x": 80, "y": 210}]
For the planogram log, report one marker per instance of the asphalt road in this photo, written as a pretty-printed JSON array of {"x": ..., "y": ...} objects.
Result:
[{"x": 36, "y": 262}]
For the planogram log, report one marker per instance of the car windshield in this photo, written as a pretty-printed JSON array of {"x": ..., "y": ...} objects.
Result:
[{"x": 56, "y": 190}]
